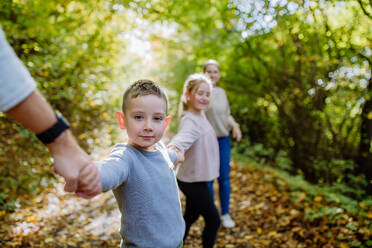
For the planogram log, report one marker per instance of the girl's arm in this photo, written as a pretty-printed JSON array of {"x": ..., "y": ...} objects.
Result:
[{"x": 188, "y": 133}]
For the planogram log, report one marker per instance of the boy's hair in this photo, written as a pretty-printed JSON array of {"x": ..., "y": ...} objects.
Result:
[
  {"x": 192, "y": 83},
  {"x": 210, "y": 62},
  {"x": 143, "y": 88}
]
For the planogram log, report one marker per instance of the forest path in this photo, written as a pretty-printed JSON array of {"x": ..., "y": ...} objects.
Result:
[{"x": 264, "y": 216}]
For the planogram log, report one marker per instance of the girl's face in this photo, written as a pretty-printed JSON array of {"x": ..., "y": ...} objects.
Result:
[
  {"x": 213, "y": 73},
  {"x": 198, "y": 99}
]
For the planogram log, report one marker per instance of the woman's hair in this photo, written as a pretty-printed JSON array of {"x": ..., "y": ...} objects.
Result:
[
  {"x": 191, "y": 85},
  {"x": 210, "y": 62}
]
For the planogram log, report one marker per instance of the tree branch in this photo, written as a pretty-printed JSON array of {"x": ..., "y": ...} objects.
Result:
[{"x": 364, "y": 10}]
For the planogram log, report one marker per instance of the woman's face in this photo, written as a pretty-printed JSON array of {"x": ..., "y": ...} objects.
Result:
[{"x": 213, "y": 73}]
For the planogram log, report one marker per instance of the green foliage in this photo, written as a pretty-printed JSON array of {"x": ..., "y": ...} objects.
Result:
[
  {"x": 71, "y": 49},
  {"x": 297, "y": 73},
  {"x": 256, "y": 153},
  {"x": 283, "y": 161},
  {"x": 296, "y": 84}
]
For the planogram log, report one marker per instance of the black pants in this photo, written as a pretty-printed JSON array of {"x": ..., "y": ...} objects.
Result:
[{"x": 199, "y": 201}]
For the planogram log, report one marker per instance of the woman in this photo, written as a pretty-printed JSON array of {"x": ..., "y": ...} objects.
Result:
[{"x": 218, "y": 114}]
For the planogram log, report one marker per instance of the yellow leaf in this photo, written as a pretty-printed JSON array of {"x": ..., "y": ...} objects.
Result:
[
  {"x": 362, "y": 205},
  {"x": 49, "y": 240},
  {"x": 344, "y": 245},
  {"x": 301, "y": 196},
  {"x": 248, "y": 237},
  {"x": 31, "y": 219},
  {"x": 259, "y": 230},
  {"x": 272, "y": 234},
  {"x": 318, "y": 199},
  {"x": 369, "y": 214}
]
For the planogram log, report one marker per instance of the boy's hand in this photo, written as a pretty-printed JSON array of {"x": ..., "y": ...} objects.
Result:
[{"x": 89, "y": 182}]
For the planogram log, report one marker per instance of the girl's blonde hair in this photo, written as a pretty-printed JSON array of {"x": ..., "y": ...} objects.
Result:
[{"x": 191, "y": 85}]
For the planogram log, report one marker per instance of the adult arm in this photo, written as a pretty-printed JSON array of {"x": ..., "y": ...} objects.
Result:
[
  {"x": 20, "y": 100},
  {"x": 35, "y": 114},
  {"x": 236, "y": 133}
]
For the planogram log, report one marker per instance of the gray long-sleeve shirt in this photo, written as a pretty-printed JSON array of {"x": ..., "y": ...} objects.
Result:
[
  {"x": 16, "y": 82},
  {"x": 146, "y": 191}
]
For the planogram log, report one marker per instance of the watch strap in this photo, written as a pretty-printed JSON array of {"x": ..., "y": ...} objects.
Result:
[{"x": 49, "y": 135}]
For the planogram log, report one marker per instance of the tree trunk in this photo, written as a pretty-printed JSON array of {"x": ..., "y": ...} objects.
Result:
[{"x": 364, "y": 159}]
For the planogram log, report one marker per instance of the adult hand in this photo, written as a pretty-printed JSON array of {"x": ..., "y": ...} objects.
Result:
[
  {"x": 236, "y": 133},
  {"x": 69, "y": 161}
]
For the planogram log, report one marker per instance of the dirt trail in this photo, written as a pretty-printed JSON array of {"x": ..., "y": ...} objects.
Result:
[{"x": 264, "y": 217}]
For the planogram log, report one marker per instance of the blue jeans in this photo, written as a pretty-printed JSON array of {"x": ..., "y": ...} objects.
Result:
[{"x": 224, "y": 178}]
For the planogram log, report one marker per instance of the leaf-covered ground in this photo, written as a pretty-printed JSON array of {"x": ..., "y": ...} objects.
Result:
[{"x": 265, "y": 217}]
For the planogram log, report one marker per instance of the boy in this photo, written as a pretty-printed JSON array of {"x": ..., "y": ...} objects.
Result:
[{"x": 140, "y": 172}]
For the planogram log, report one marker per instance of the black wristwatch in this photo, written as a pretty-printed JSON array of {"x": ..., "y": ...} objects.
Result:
[{"x": 49, "y": 135}]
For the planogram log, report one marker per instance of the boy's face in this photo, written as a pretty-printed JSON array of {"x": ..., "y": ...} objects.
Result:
[{"x": 145, "y": 120}]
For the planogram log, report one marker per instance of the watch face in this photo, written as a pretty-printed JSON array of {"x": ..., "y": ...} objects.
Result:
[{"x": 60, "y": 116}]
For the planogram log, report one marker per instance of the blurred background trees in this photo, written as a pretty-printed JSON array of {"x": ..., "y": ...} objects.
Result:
[{"x": 297, "y": 73}]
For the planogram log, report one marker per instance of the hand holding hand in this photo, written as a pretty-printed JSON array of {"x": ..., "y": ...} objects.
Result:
[
  {"x": 180, "y": 155},
  {"x": 89, "y": 182},
  {"x": 70, "y": 161}
]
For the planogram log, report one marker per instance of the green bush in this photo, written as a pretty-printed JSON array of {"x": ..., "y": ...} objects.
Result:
[{"x": 71, "y": 50}]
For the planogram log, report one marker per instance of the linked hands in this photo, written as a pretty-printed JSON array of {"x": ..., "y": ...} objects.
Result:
[
  {"x": 72, "y": 163},
  {"x": 180, "y": 155}
]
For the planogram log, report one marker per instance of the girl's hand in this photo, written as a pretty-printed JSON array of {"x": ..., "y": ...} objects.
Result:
[
  {"x": 180, "y": 155},
  {"x": 236, "y": 133}
]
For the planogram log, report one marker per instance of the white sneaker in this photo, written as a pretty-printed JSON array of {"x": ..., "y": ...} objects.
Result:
[{"x": 227, "y": 222}]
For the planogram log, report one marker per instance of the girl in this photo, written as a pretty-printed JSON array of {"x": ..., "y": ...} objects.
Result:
[
  {"x": 197, "y": 140},
  {"x": 218, "y": 114}
]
